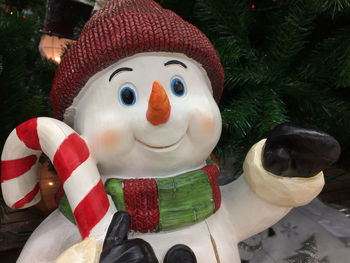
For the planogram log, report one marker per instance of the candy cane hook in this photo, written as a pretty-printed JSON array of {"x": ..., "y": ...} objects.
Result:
[{"x": 76, "y": 169}]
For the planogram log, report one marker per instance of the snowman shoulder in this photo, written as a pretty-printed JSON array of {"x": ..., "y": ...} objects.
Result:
[{"x": 278, "y": 190}]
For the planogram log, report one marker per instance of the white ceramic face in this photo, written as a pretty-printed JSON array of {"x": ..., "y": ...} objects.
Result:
[{"x": 121, "y": 138}]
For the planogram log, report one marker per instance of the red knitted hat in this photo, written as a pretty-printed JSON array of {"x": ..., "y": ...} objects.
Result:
[{"x": 124, "y": 28}]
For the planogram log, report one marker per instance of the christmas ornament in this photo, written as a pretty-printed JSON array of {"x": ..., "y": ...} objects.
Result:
[{"x": 137, "y": 94}]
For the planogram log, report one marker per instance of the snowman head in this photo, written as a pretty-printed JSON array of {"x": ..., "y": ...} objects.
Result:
[{"x": 141, "y": 86}]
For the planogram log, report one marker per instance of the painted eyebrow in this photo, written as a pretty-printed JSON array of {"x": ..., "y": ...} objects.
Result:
[
  {"x": 175, "y": 62},
  {"x": 119, "y": 70}
]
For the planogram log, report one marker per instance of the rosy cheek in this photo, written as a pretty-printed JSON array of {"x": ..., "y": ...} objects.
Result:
[
  {"x": 109, "y": 139},
  {"x": 207, "y": 123}
]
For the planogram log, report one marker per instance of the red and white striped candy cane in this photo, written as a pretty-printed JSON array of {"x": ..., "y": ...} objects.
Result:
[{"x": 76, "y": 169}]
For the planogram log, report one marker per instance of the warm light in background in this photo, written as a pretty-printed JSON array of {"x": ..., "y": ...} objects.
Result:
[
  {"x": 49, "y": 183},
  {"x": 51, "y": 47}
]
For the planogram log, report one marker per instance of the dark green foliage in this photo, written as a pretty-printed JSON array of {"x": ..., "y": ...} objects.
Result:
[
  {"x": 183, "y": 8},
  {"x": 284, "y": 61},
  {"x": 0, "y": 64}
]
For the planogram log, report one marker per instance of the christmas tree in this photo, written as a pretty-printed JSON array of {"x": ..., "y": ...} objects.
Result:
[{"x": 284, "y": 61}]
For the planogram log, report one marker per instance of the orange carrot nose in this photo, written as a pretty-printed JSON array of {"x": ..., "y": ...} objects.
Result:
[{"x": 158, "y": 111}]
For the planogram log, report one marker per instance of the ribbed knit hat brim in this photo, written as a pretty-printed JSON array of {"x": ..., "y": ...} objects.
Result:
[{"x": 124, "y": 28}]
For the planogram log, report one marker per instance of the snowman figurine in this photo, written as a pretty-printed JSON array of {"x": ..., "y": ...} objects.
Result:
[{"x": 137, "y": 119}]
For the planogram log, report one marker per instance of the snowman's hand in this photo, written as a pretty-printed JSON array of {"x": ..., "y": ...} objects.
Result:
[
  {"x": 116, "y": 247},
  {"x": 295, "y": 151}
]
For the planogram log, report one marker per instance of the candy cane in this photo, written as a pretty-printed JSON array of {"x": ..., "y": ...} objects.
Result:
[{"x": 76, "y": 169}]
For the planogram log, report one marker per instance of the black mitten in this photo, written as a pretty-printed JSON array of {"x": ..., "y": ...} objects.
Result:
[
  {"x": 116, "y": 247},
  {"x": 295, "y": 151}
]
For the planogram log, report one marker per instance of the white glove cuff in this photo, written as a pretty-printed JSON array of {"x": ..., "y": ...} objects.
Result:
[{"x": 282, "y": 191}]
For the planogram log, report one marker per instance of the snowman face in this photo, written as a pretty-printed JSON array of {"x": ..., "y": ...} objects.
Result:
[{"x": 149, "y": 115}]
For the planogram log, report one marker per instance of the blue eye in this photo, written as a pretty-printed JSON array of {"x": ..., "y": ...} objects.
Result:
[
  {"x": 177, "y": 87},
  {"x": 127, "y": 96}
]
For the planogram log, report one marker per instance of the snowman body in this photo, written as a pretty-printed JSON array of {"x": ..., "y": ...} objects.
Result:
[
  {"x": 153, "y": 115},
  {"x": 212, "y": 240}
]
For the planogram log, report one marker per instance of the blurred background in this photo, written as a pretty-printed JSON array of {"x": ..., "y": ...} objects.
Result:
[{"x": 284, "y": 61}]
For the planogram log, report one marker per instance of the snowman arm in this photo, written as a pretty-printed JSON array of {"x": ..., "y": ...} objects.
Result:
[
  {"x": 264, "y": 197},
  {"x": 72, "y": 160}
]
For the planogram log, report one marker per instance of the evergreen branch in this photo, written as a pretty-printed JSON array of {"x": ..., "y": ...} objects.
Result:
[
  {"x": 224, "y": 18},
  {"x": 315, "y": 101},
  {"x": 334, "y": 6},
  {"x": 270, "y": 8},
  {"x": 330, "y": 61},
  {"x": 240, "y": 74},
  {"x": 271, "y": 113},
  {"x": 239, "y": 114},
  {"x": 228, "y": 50},
  {"x": 289, "y": 38}
]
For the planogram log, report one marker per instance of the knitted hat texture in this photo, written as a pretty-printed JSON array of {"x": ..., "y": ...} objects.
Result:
[{"x": 124, "y": 28}]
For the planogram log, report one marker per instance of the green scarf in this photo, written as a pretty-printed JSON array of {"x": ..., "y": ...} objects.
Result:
[{"x": 163, "y": 204}]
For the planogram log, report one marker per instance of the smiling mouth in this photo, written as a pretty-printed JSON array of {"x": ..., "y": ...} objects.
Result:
[{"x": 159, "y": 147}]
